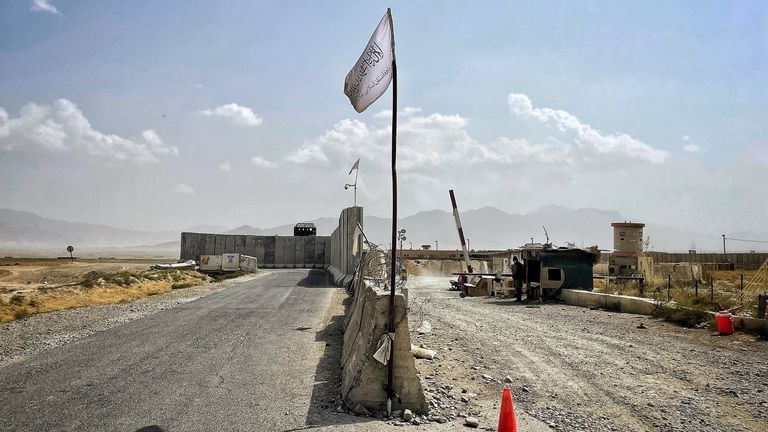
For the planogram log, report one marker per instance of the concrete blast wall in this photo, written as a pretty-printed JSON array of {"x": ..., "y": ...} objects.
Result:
[
  {"x": 342, "y": 260},
  {"x": 333, "y": 252},
  {"x": 363, "y": 378},
  {"x": 270, "y": 251},
  {"x": 739, "y": 260}
]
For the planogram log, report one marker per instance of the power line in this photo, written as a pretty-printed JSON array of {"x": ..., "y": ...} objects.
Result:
[{"x": 745, "y": 240}]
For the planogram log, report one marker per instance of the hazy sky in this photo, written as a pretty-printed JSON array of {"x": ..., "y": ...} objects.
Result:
[{"x": 161, "y": 115}]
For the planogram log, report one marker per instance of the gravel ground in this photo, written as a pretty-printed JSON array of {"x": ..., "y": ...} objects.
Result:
[
  {"x": 570, "y": 369},
  {"x": 576, "y": 369},
  {"x": 22, "y": 338}
]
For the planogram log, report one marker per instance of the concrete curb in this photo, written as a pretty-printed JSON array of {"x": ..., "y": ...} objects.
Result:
[{"x": 641, "y": 306}]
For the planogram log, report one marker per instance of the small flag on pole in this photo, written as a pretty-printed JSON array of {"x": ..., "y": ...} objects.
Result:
[
  {"x": 355, "y": 166},
  {"x": 371, "y": 75}
]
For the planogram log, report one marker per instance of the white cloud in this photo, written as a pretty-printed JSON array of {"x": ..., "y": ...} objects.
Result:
[
  {"x": 584, "y": 136},
  {"x": 225, "y": 167},
  {"x": 437, "y": 152},
  {"x": 43, "y": 6},
  {"x": 261, "y": 162},
  {"x": 182, "y": 189},
  {"x": 237, "y": 114},
  {"x": 436, "y": 143},
  {"x": 62, "y": 127},
  {"x": 692, "y": 148},
  {"x": 686, "y": 138},
  {"x": 411, "y": 111},
  {"x": 405, "y": 112}
]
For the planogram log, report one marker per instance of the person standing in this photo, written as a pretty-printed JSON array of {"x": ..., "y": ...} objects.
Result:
[{"x": 518, "y": 276}]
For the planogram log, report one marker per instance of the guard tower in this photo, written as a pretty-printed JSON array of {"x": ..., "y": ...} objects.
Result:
[
  {"x": 627, "y": 258},
  {"x": 304, "y": 229}
]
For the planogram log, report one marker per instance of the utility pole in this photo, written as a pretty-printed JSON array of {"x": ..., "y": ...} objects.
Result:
[
  {"x": 723, "y": 244},
  {"x": 436, "y": 244}
]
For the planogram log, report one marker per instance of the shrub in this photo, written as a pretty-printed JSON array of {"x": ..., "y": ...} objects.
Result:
[
  {"x": 91, "y": 279},
  {"x": 683, "y": 316},
  {"x": 17, "y": 299}
]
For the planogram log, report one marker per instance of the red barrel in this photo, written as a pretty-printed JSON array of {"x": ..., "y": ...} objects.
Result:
[{"x": 724, "y": 322}]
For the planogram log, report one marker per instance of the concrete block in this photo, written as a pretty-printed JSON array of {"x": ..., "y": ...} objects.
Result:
[
  {"x": 363, "y": 378},
  {"x": 199, "y": 246},
  {"x": 636, "y": 305},
  {"x": 259, "y": 249},
  {"x": 248, "y": 263},
  {"x": 182, "y": 247},
  {"x": 210, "y": 245},
  {"x": 569, "y": 296},
  {"x": 309, "y": 251},
  {"x": 220, "y": 244},
  {"x": 250, "y": 245},
  {"x": 612, "y": 303},
  {"x": 321, "y": 243},
  {"x": 591, "y": 299},
  {"x": 279, "y": 252},
  {"x": 624, "y": 304},
  {"x": 210, "y": 262},
  {"x": 229, "y": 244},
  {"x": 270, "y": 251},
  {"x": 751, "y": 325},
  {"x": 298, "y": 251},
  {"x": 290, "y": 253},
  {"x": 240, "y": 244},
  {"x": 230, "y": 262},
  {"x": 323, "y": 251}
]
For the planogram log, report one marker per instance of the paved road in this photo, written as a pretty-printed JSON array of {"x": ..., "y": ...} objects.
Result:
[{"x": 241, "y": 359}]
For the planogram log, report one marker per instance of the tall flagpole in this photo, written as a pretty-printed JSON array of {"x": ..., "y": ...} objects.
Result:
[
  {"x": 357, "y": 171},
  {"x": 390, "y": 389}
]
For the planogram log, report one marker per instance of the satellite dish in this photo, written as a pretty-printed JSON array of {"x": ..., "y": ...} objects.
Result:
[{"x": 71, "y": 249}]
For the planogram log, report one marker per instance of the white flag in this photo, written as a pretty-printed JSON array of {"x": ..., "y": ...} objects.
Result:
[
  {"x": 355, "y": 166},
  {"x": 372, "y": 73}
]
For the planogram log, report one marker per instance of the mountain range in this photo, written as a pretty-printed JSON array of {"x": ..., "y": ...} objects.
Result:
[{"x": 485, "y": 228}]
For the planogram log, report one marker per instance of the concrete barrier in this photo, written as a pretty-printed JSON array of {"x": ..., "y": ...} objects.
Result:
[
  {"x": 751, "y": 325},
  {"x": 363, "y": 378},
  {"x": 333, "y": 252},
  {"x": 270, "y": 251},
  {"x": 342, "y": 261},
  {"x": 617, "y": 303}
]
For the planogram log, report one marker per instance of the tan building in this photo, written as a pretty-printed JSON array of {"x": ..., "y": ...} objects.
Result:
[{"x": 628, "y": 258}]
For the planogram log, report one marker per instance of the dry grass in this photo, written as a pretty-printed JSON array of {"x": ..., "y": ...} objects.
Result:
[
  {"x": 726, "y": 295},
  {"x": 96, "y": 288}
]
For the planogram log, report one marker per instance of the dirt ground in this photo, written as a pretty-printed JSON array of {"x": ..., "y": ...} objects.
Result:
[
  {"x": 34, "y": 285},
  {"x": 576, "y": 369}
]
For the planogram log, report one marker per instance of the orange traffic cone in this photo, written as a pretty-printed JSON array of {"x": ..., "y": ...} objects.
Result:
[{"x": 507, "y": 421}]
